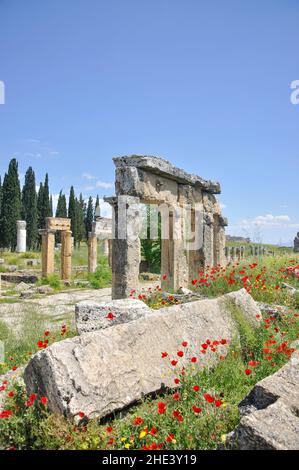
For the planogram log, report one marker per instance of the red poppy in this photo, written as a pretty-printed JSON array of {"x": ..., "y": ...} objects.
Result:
[
  {"x": 180, "y": 353},
  {"x": 170, "y": 437},
  {"x": 43, "y": 400},
  {"x": 176, "y": 381},
  {"x": 110, "y": 316},
  {"x": 177, "y": 415},
  {"x": 218, "y": 403},
  {"x": 161, "y": 408},
  {"x": 193, "y": 359},
  {"x": 208, "y": 398},
  {"x": 196, "y": 388},
  {"x": 153, "y": 431},
  {"x": 248, "y": 371},
  {"x": 11, "y": 394},
  {"x": 174, "y": 363},
  {"x": 184, "y": 344},
  {"x": 81, "y": 414},
  {"x": 109, "y": 429},
  {"x": 137, "y": 421},
  {"x": 164, "y": 354},
  {"x": 176, "y": 396},
  {"x": 196, "y": 409}
]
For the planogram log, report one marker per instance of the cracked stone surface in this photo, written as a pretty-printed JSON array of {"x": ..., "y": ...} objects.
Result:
[
  {"x": 104, "y": 371},
  {"x": 271, "y": 412}
]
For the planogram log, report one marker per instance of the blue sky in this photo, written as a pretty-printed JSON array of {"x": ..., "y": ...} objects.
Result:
[{"x": 205, "y": 84}]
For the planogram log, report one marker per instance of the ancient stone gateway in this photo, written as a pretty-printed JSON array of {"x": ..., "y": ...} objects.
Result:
[
  {"x": 54, "y": 224},
  {"x": 153, "y": 180}
]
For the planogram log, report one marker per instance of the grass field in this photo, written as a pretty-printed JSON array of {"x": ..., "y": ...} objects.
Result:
[{"x": 203, "y": 408}]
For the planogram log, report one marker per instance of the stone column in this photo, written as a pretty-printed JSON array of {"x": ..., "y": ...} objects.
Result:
[
  {"x": 92, "y": 252},
  {"x": 66, "y": 255},
  {"x": 21, "y": 236},
  {"x": 208, "y": 240},
  {"x": 227, "y": 254},
  {"x": 48, "y": 244},
  {"x": 106, "y": 247},
  {"x": 233, "y": 253},
  {"x": 125, "y": 245}
]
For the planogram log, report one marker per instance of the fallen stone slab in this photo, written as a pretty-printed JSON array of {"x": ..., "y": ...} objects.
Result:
[
  {"x": 92, "y": 316},
  {"x": 104, "y": 371},
  {"x": 270, "y": 413}
]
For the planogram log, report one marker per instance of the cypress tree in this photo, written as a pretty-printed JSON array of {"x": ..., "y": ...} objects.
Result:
[
  {"x": 1, "y": 234},
  {"x": 51, "y": 206},
  {"x": 89, "y": 217},
  {"x": 80, "y": 208},
  {"x": 61, "y": 210},
  {"x": 29, "y": 208},
  {"x": 72, "y": 214},
  {"x": 40, "y": 201},
  {"x": 46, "y": 199},
  {"x": 11, "y": 206}
]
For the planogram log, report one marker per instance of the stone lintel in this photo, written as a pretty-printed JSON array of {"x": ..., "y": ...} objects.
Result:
[
  {"x": 58, "y": 223},
  {"x": 162, "y": 167}
]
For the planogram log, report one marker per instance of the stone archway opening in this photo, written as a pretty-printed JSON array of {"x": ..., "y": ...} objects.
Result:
[{"x": 63, "y": 225}]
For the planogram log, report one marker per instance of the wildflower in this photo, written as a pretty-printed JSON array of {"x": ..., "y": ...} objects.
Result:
[
  {"x": 223, "y": 438},
  {"x": 184, "y": 344},
  {"x": 127, "y": 446},
  {"x": 137, "y": 421},
  {"x": 153, "y": 431},
  {"x": 218, "y": 403},
  {"x": 170, "y": 437},
  {"x": 193, "y": 359},
  {"x": 109, "y": 429},
  {"x": 196, "y": 388},
  {"x": 177, "y": 415},
  {"x": 46, "y": 333},
  {"x": 164, "y": 354},
  {"x": 196, "y": 409},
  {"x": 208, "y": 398},
  {"x": 176, "y": 381},
  {"x": 11, "y": 394},
  {"x": 32, "y": 397},
  {"x": 174, "y": 363},
  {"x": 180, "y": 353},
  {"x": 110, "y": 441},
  {"x": 161, "y": 408},
  {"x": 142, "y": 434},
  {"x": 43, "y": 400},
  {"x": 176, "y": 396},
  {"x": 81, "y": 414},
  {"x": 248, "y": 371},
  {"x": 110, "y": 316}
]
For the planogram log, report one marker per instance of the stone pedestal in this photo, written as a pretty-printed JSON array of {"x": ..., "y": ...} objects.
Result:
[
  {"x": 92, "y": 252},
  {"x": 21, "y": 236},
  {"x": 48, "y": 244},
  {"x": 66, "y": 255}
]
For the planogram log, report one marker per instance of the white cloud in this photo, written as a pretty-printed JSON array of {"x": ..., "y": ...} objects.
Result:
[
  {"x": 88, "y": 176},
  {"x": 267, "y": 221},
  {"x": 104, "y": 185}
]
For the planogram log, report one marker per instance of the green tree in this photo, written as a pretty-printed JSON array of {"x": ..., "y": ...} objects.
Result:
[
  {"x": 40, "y": 202},
  {"x": 61, "y": 210},
  {"x": 29, "y": 208},
  {"x": 72, "y": 214},
  {"x": 81, "y": 209},
  {"x": 89, "y": 217},
  {"x": 151, "y": 249},
  {"x": 11, "y": 206}
]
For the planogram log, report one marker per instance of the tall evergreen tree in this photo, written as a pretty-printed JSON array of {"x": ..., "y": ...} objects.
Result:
[
  {"x": 11, "y": 206},
  {"x": 51, "y": 206},
  {"x": 1, "y": 231},
  {"x": 80, "y": 208},
  {"x": 89, "y": 217},
  {"x": 40, "y": 205},
  {"x": 61, "y": 210},
  {"x": 72, "y": 213},
  {"x": 97, "y": 204},
  {"x": 29, "y": 208}
]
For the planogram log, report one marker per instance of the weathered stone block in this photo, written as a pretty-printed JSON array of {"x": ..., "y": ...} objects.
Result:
[
  {"x": 91, "y": 316},
  {"x": 104, "y": 371},
  {"x": 271, "y": 413}
]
